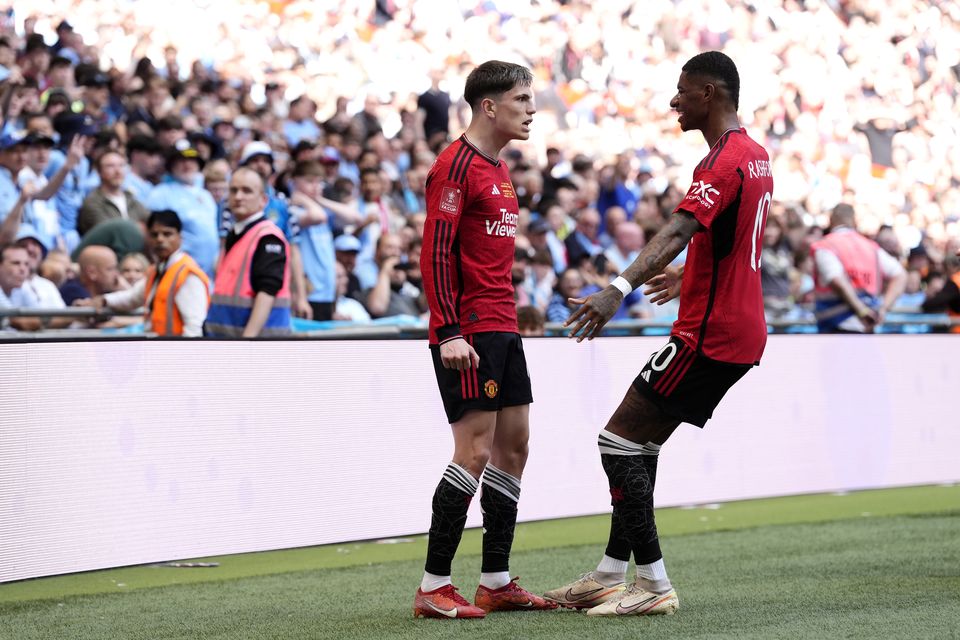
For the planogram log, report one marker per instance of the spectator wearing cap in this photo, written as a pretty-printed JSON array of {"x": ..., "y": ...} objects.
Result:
[
  {"x": 301, "y": 122},
  {"x": 77, "y": 133},
  {"x": 175, "y": 293},
  {"x": 110, "y": 200},
  {"x": 95, "y": 94},
  {"x": 41, "y": 213},
  {"x": 45, "y": 292},
  {"x": 66, "y": 37},
  {"x": 258, "y": 156},
  {"x": 16, "y": 197},
  {"x": 145, "y": 166},
  {"x": 182, "y": 192},
  {"x": 14, "y": 271},
  {"x": 346, "y": 247}
]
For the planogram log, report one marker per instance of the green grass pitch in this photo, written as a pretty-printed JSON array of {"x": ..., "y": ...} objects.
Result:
[{"x": 862, "y": 565}]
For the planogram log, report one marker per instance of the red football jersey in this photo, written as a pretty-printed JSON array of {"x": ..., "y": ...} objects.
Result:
[
  {"x": 468, "y": 244},
  {"x": 721, "y": 302}
]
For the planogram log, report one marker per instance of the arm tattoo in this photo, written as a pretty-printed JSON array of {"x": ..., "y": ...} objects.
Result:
[{"x": 662, "y": 248}]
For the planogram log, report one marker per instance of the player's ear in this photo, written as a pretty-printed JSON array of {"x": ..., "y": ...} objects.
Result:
[
  {"x": 709, "y": 91},
  {"x": 488, "y": 106}
]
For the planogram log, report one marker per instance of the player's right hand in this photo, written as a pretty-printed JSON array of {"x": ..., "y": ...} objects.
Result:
[
  {"x": 594, "y": 311},
  {"x": 458, "y": 354}
]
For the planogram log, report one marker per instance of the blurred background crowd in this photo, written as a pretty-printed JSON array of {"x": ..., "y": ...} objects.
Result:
[{"x": 113, "y": 109}]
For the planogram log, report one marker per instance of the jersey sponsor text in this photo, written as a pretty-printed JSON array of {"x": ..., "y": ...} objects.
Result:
[{"x": 505, "y": 227}]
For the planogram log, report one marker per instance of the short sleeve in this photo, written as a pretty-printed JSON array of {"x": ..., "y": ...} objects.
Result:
[{"x": 711, "y": 193}]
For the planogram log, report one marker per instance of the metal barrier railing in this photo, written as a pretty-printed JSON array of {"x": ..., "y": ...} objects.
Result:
[{"x": 410, "y": 328}]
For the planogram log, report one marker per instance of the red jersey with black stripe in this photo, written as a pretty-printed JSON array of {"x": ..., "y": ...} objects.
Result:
[
  {"x": 468, "y": 244},
  {"x": 721, "y": 302}
]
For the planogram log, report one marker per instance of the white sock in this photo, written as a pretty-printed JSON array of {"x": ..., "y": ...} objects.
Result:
[
  {"x": 431, "y": 582},
  {"x": 495, "y": 580},
  {"x": 610, "y": 571},
  {"x": 653, "y": 577}
]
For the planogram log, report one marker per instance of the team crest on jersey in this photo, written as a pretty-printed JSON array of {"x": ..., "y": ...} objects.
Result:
[
  {"x": 490, "y": 388},
  {"x": 507, "y": 190},
  {"x": 450, "y": 200},
  {"x": 495, "y": 191}
]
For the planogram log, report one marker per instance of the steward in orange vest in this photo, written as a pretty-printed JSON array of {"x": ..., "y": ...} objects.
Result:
[{"x": 175, "y": 293}]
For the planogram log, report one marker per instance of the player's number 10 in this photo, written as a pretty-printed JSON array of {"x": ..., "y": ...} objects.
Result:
[{"x": 763, "y": 208}]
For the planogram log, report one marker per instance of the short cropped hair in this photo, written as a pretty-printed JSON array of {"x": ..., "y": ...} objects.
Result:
[
  {"x": 716, "y": 66},
  {"x": 494, "y": 78},
  {"x": 165, "y": 218}
]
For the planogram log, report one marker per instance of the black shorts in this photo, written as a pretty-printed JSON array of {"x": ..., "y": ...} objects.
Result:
[
  {"x": 500, "y": 381},
  {"x": 685, "y": 384}
]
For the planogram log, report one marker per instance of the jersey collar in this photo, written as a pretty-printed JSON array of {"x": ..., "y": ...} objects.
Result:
[{"x": 494, "y": 161}]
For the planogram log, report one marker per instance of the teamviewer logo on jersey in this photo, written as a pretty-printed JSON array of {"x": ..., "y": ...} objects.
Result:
[
  {"x": 450, "y": 200},
  {"x": 701, "y": 191}
]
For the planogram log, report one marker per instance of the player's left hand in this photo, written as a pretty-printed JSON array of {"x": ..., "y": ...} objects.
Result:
[
  {"x": 593, "y": 313},
  {"x": 666, "y": 286}
]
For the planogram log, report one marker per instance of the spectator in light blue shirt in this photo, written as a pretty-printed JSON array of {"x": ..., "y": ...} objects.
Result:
[
  {"x": 81, "y": 179},
  {"x": 181, "y": 193},
  {"x": 301, "y": 123},
  {"x": 315, "y": 241},
  {"x": 145, "y": 158}
]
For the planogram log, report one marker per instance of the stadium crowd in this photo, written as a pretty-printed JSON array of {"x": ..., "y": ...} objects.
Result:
[{"x": 113, "y": 110}]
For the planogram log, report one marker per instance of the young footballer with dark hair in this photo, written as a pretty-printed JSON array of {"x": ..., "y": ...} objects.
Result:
[
  {"x": 719, "y": 335},
  {"x": 466, "y": 261}
]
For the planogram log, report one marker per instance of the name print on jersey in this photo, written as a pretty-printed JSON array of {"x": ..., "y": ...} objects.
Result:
[
  {"x": 505, "y": 227},
  {"x": 759, "y": 169}
]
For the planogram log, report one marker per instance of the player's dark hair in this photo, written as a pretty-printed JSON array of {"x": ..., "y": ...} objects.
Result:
[
  {"x": 718, "y": 67},
  {"x": 494, "y": 78},
  {"x": 165, "y": 218}
]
